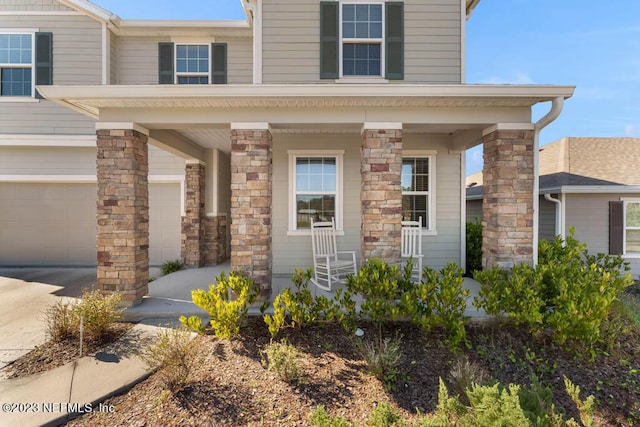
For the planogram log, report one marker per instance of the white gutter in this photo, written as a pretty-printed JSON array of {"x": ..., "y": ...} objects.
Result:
[
  {"x": 554, "y": 112},
  {"x": 559, "y": 224}
]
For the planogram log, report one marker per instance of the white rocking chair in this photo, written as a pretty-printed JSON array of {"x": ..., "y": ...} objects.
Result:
[
  {"x": 328, "y": 267},
  {"x": 411, "y": 246}
]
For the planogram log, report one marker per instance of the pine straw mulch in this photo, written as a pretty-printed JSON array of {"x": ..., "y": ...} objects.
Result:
[
  {"x": 230, "y": 387},
  {"x": 57, "y": 353}
]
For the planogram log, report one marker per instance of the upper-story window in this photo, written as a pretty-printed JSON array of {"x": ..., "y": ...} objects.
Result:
[
  {"x": 361, "y": 39},
  {"x": 16, "y": 64},
  {"x": 192, "y": 63}
]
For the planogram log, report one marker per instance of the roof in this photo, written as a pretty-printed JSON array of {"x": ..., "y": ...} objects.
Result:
[{"x": 582, "y": 162}]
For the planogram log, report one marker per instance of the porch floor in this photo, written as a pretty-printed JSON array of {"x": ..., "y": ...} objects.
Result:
[{"x": 170, "y": 296}]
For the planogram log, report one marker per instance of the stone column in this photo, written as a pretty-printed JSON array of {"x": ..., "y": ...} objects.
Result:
[
  {"x": 123, "y": 213},
  {"x": 193, "y": 247},
  {"x": 216, "y": 239},
  {"x": 251, "y": 169},
  {"x": 381, "y": 193},
  {"x": 507, "y": 200}
]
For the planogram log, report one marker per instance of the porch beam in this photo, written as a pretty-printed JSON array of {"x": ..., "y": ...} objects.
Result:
[{"x": 174, "y": 144}]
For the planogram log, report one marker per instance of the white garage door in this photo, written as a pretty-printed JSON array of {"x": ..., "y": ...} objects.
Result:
[{"x": 54, "y": 224}]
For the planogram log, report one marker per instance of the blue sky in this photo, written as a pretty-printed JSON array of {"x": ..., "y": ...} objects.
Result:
[{"x": 592, "y": 44}]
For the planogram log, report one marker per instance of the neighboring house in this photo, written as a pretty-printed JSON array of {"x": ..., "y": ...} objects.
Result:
[
  {"x": 590, "y": 184},
  {"x": 356, "y": 110}
]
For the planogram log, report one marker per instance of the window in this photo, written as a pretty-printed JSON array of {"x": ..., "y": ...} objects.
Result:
[
  {"x": 16, "y": 64},
  {"x": 315, "y": 182},
  {"x": 632, "y": 227},
  {"x": 192, "y": 64},
  {"x": 417, "y": 190},
  {"x": 361, "y": 39}
]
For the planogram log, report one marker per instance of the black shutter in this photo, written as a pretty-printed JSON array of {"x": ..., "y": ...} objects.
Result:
[
  {"x": 165, "y": 63},
  {"x": 616, "y": 228},
  {"x": 329, "y": 39},
  {"x": 44, "y": 60},
  {"x": 219, "y": 63},
  {"x": 394, "y": 40}
]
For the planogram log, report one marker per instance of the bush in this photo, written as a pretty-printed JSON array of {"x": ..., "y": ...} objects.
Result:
[
  {"x": 299, "y": 306},
  {"x": 176, "y": 355},
  {"x": 98, "y": 312},
  {"x": 385, "y": 415},
  {"x": 60, "y": 321},
  {"x": 569, "y": 291},
  {"x": 282, "y": 358},
  {"x": 536, "y": 402},
  {"x": 474, "y": 246},
  {"x": 439, "y": 299},
  {"x": 226, "y": 314},
  {"x": 320, "y": 418},
  {"x": 464, "y": 374},
  {"x": 382, "y": 357},
  {"x": 169, "y": 267}
]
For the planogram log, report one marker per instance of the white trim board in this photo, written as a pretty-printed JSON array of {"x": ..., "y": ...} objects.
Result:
[{"x": 35, "y": 140}]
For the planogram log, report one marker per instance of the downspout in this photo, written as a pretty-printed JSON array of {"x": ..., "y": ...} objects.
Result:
[
  {"x": 554, "y": 112},
  {"x": 559, "y": 224}
]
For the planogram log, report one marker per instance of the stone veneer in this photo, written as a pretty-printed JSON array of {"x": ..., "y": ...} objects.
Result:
[
  {"x": 123, "y": 214},
  {"x": 216, "y": 239},
  {"x": 251, "y": 192},
  {"x": 193, "y": 251},
  {"x": 507, "y": 201},
  {"x": 381, "y": 194}
]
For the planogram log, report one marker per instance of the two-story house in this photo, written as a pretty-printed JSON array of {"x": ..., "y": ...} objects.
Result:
[{"x": 347, "y": 109}]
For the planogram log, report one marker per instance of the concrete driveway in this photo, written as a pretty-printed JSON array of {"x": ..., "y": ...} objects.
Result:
[{"x": 25, "y": 294}]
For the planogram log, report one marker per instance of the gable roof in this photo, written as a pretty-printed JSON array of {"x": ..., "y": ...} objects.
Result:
[{"x": 583, "y": 162}]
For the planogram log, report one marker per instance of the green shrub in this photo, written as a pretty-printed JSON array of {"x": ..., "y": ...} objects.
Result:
[
  {"x": 299, "y": 306},
  {"x": 226, "y": 314},
  {"x": 474, "y": 246},
  {"x": 569, "y": 291},
  {"x": 385, "y": 415},
  {"x": 464, "y": 374},
  {"x": 537, "y": 403},
  {"x": 320, "y": 418},
  {"x": 282, "y": 358},
  {"x": 382, "y": 357},
  {"x": 60, "y": 321},
  {"x": 586, "y": 408},
  {"x": 98, "y": 312},
  {"x": 169, "y": 267},
  {"x": 439, "y": 299},
  {"x": 176, "y": 355}
]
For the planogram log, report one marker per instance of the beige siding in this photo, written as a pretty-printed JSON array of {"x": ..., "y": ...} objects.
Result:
[
  {"x": 291, "y": 47},
  {"x": 138, "y": 59},
  {"x": 113, "y": 58},
  {"x": 77, "y": 59},
  {"x": 75, "y": 161},
  {"x": 589, "y": 215},
  {"x": 33, "y": 5},
  {"x": 291, "y": 252},
  {"x": 547, "y": 221}
]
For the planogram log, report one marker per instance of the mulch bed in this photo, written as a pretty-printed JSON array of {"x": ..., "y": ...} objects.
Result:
[{"x": 57, "y": 353}]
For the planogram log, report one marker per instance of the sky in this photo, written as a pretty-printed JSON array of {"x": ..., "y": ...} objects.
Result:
[{"x": 592, "y": 44}]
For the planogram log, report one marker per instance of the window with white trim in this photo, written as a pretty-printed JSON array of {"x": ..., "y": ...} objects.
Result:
[
  {"x": 316, "y": 187},
  {"x": 16, "y": 64},
  {"x": 632, "y": 227},
  {"x": 417, "y": 190},
  {"x": 192, "y": 64},
  {"x": 361, "y": 39}
]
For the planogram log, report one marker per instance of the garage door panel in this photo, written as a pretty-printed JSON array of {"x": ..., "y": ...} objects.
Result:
[{"x": 55, "y": 224}]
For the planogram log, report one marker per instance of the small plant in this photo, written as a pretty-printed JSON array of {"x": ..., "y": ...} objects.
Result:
[
  {"x": 169, "y": 267},
  {"x": 385, "y": 415},
  {"x": 536, "y": 402},
  {"x": 474, "y": 246},
  {"x": 60, "y": 321},
  {"x": 586, "y": 408},
  {"x": 320, "y": 418},
  {"x": 382, "y": 357},
  {"x": 464, "y": 374},
  {"x": 98, "y": 312},
  {"x": 176, "y": 354},
  {"x": 226, "y": 314},
  {"x": 282, "y": 358}
]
